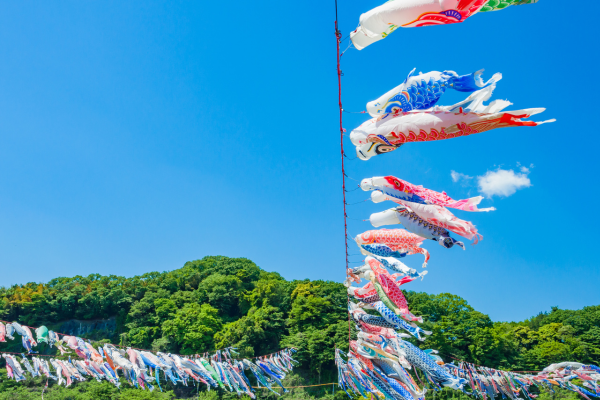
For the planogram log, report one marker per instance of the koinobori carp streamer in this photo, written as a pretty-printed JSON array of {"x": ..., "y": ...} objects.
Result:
[{"x": 379, "y": 22}]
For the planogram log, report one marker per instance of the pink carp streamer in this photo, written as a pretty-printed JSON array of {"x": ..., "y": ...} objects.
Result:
[
  {"x": 436, "y": 215},
  {"x": 403, "y": 190},
  {"x": 397, "y": 239}
]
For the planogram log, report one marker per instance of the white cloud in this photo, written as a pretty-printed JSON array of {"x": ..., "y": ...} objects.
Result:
[
  {"x": 524, "y": 169},
  {"x": 457, "y": 176},
  {"x": 503, "y": 182}
]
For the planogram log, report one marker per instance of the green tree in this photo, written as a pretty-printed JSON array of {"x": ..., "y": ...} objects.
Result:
[{"x": 193, "y": 327}]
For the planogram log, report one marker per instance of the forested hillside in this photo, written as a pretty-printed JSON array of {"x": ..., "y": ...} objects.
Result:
[{"x": 218, "y": 302}]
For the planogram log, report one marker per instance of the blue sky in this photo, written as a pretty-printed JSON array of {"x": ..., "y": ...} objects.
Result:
[{"x": 135, "y": 136}]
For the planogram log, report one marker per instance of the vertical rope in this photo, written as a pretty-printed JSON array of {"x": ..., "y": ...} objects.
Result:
[{"x": 338, "y": 38}]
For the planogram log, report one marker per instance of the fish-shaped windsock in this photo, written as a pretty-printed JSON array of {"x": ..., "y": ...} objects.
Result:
[
  {"x": 374, "y": 350},
  {"x": 366, "y": 268},
  {"x": 383, "y": 298},
  {"x": 59, "y": 370},
  {"x": 354, "y": 347},
  {"x": 151, "y": 360},
  {"x": 554, "y": 367},
  {"x": 382, "y": 385},
  {"x": 370, "y": 270},
  {"x": 109, "y": 364},
  {"x": 2, "y": 332},
  {"x": 370, "y": 293},
  {"x": 26, "y": 335},
  {"x": 380, "y": 331},
  {"x": 350, "y": 380},
  {"x": 191, "y": 368},
  {"x": 377, "y": 339},
  {"x": 10, "y": 330},
  {"x": 436, "y": 215},
  {"x": 414, "y": 224},
  {"x": 212, "y": 372},
  {"x": 28, "y": 366},
  {"x": 52, "y": 338},
  {"x": 382, "y": 250},
  {"x": 168, "y": 361},
  {"x": 391, "y": 290},
  {"x": 19, "y": 329},
  {"x": 26, "y": 344},
  {"x": 399, "y": 266},
  {"x": 41, "y": 334},
  {"x": 66, "y": 373},
  {"x": 390, "y": 320},
  {"x": 402, "y": 190},
  {"x": 422, "y": 91},
  {"x": 390, "y": 131},
  {"x": 43, "y": 368},
  {"x": 258, "y": 373},
  {"x": 85, "y": 369},
  {"x": 361, "y": 293},
  {"x": 75, "y": 343},
  {"x": 133, "y": 357},
  {"x": 422, "y": 361},
  {"x": 14, "y": 368},
  {"x": 29, "y": 335},
  {"x": 170, "y": 374},
  {"x": 396, "y": 239},
  {"x": 94, "y": 354},
  {"x": 387, "y": 366},
  {"x": 274, "y": 376},
  {"x": 395, "y": 385},
  {"x": 379, "y": 22},
  {"x": 115, "y": 355},
  {"x": 393, "y": 319}
]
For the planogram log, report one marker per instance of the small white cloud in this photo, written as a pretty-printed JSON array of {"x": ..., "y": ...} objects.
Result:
[
  {"x": 503, "y": 182},
  {"x": 457, "y": 176}
]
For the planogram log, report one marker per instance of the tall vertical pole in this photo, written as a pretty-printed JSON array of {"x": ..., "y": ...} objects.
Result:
[{"x": 338, "y": 38}]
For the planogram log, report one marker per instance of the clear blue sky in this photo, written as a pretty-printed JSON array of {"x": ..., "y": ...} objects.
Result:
[{"x": 135, "y": 136}]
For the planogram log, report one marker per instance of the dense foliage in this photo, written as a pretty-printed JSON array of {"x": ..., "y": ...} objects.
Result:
[
  {"x": 460, "y": 331},
  {"x": 218, "y": 301}
]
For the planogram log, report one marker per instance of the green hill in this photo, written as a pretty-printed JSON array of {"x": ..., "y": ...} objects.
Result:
[{"x": 218, "y": 302}]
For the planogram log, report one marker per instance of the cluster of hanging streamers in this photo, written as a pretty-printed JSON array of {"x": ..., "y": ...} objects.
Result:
[
  {"x": 140, "y": 368},
  {"x": 378, "y": 365},
  {"x": 381, "y": 362}
]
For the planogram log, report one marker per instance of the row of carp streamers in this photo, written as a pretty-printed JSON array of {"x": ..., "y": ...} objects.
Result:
[
  {"x": 142, "y": 369},
  {"x": 378, "y": 361},
  {"x": 385, "y": 378}
]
